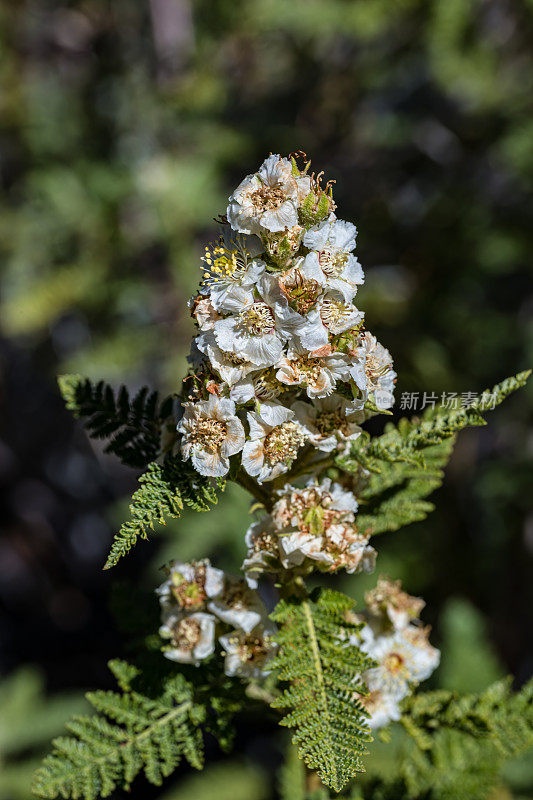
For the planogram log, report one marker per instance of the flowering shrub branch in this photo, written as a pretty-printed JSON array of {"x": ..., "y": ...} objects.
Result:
[{"x": 283, "y": 376}]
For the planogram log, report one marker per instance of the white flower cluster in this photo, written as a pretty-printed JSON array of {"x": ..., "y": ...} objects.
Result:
[
  {"x": 309, "y": 528},
  {"x": 201, "y": 605},
  {"x": 394, "y": 637},
  {"x": 281, "y": 360}
]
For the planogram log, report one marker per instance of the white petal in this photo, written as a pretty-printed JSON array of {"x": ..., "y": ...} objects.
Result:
[
  {"x": 279, "y": 219},
  {"x": 274, "y": 413},
  {"x": 310, "y": 266},
  {"x": 235, "y": 437},
  {"x": 342, "y": 235},
  {"x": 233, "y": 665},
  {"x": 313, "y": 335},
  {"x": 343, "y": 288},
  {"x": 258, "y": 428},
  {"x": 220, "y": 407},
  {"x": 253, "y": 457},
  {"x": 264, "y": 351},
  {"x": 353, "y": 271},
  {"x": 225, "y": 332},
  {"x": 214, "y": 581},
  {"x": 305, "y": 413},
  {"x": 317, "y": 236},
  {"x": 210, "y": 464},
  {"x": 357, "y": 372},
  {"x": 244, "y": 619},
  {"x": 242, "y": 390},
  {"x": 182, "y": 656},
  {"x": 231, "y": 298}
]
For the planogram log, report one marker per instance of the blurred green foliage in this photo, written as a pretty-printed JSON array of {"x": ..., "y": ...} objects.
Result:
[
  {"x": 124, "y": 127},
  {"x": 229, "y": 781},
  {"x": 469, "y": 663},
  {"x": 28, "y": 720}
]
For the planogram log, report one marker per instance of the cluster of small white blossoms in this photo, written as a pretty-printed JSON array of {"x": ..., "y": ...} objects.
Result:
[
  {"x": 202, "y": 606},
  {"x": 281, "y": 360},
  {"x": 395, "y": 638},
  {"x": 309, "y": 528}
]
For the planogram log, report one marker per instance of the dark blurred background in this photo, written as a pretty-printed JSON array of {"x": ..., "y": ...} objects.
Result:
[{"x": 123, "y": 128}]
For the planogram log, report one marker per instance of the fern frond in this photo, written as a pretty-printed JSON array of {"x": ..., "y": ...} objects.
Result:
[
  {"x": 406, "y": 462},
  {"x": 504, "y": 715},
  {"x": 133, "y": 425},
  {"x": 395, "y": 496},
  {"x": 131, "y": 732},
  {"x": 406, "y": 445},
  {"x": 323, "y": 671},
  {"x": 453, "y": 748},
  {"x": 459, "y": 744},
  {"x": 164, "y": 491}
]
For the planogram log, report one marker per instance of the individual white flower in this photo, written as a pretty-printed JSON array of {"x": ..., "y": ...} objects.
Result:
[
  {"x": 338, "y": 316},
  {"x": 192, "y": 637},
  {"x": 380, "y": 375},
  {"x": 204, "y": 312},
  {"x": 341, "y": 273},
  {"x": 293, "y": 320},
  {"x": 231, "y": 367},
  {"x": 296, "y": 547},
  {"x": 313, "y": 507},
  {"x": 331, "y": 261},
  {"x": 189, "y": 586},
  {"x": 247, "y": 654},
  {"x": 211, "y": 433},
  {"x": 328, "y": 422},
  {"x": 231, "y": 275},
  {"x": 350, "y": 550},
  {"x": 282, "y": 246},
  {"x": 318, "y": 374},
  {"x": 300, "y": 291},
  {"x": 317, "y": 524},
  {"x": 340, "y": 548},
  {"x": 273, "y": 443},
  {"x": 238, "y": 604},
  {"x": 404, "y": 657},
  {"x": 263, "y": 555},
  {"x": 331, "y": 316},
  {"x": 262, "y": 385},
  {"x": 382, "y": 707},
  {"x": 259, "y": 329},
  {"x": 387, "y": 606},
  {"x": 332, "y": 233},
  {"x": 268, "y": 199}
]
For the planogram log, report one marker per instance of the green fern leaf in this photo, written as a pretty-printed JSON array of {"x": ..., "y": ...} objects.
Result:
[
  {"x": 322, "y": 669},
  {"x": 498, "y": 712},
  {"x": 406, "y": 463},
  {"x": 459, "y": 743},
  {"x": 395, "y": 496},
  {"x": 132, "y": 732},
  {"x": 164, "y": 490},
  {"x": 134, "y": 426}
]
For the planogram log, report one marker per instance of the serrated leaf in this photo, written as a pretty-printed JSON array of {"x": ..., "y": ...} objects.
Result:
[
  {"x": 132, "y": 732},
  {"x": 164, "y": 491},
  {"x": 322, "y": 669},
  {"x": 134, "y": 426},
  {"x": 406, "y": 462}
]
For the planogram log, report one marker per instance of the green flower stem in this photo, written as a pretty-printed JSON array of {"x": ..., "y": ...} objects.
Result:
[{"x": 261, "y": 494}]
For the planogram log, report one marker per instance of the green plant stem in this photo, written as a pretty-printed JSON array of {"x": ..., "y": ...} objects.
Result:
[
  {"x": 263, "y": 496},
  {"x": 293, "y": 587},
  {"x": 304, "y": 466}
]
